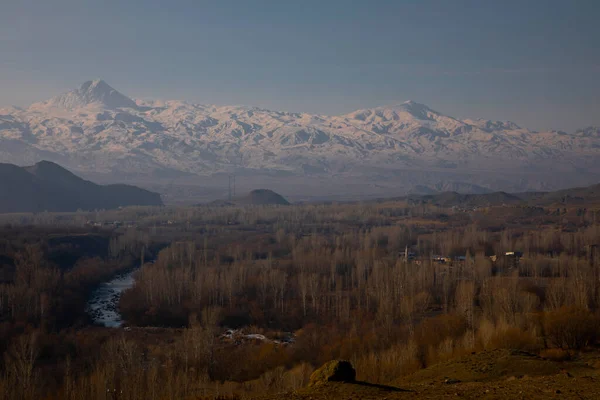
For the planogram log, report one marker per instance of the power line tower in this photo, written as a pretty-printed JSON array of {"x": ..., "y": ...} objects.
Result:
[
  {"x": 236, "y": 167},
  {"x": 232, "y": 178}
]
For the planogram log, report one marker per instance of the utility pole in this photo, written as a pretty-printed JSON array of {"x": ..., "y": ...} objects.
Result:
[{"x": 229, "y": 187}]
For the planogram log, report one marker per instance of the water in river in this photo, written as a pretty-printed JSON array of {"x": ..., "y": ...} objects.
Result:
[{"x": 103, "y": 305}]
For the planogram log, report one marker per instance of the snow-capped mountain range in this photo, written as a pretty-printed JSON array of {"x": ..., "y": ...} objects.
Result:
[{"x": 96, "y": 128}]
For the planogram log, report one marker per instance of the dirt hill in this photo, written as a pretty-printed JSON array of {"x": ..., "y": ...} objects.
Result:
[{"x": 498, "y": 374}]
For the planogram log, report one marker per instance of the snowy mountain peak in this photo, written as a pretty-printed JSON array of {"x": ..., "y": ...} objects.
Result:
[
  {"x": 405, "y": 115},
  {"x": 97, "y": 85},
  {"x": 96, "y": 92},
  {"x": 411, "y": 103},
  {"x": 416, "y": 109}
]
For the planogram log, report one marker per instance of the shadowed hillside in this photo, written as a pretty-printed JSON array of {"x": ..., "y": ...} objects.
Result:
[
  {"x": 579, "y": 195},
  {"x": 46, "y": 186},
  {"x": 573, "y": 196},
  {"x": 263, "y": 197},
  {"x": 450, "y": 199},
  {"x": 258, "y": 197}
]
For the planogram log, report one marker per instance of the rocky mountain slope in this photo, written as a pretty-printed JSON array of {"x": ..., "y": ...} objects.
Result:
[
  {"x": 46, "y": 186},
  {"x": 96, "y": 128}
]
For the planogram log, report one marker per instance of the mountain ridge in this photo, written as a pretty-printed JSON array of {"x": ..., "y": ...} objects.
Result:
[
  {"x": 95, "y": 128},
  {"x": 47, "y": 186}
]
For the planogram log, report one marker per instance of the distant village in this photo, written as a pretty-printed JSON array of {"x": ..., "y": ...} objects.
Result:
[
  {"x": 509, "y": 259},
  {"x": 120, "y": 224}
]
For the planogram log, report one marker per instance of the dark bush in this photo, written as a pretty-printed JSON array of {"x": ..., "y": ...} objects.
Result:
[{"x": 571, "y": 327}]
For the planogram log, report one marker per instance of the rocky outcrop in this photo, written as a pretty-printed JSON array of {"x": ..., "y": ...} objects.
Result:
[{"x": 333, "y": 371}]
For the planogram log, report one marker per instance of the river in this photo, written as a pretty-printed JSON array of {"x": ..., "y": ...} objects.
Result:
[{"x": 103, "y": 305}]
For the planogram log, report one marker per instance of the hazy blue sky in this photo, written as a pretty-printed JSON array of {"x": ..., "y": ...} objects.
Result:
[{"x": 534, "y": 62}]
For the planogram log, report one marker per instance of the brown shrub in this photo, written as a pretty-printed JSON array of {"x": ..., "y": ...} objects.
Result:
[
  {"x": 433, "y": 331},
  {"x": 514, "y": 338},
  {"x": 389, "y": 364},
  {"x": 571, "y": 327}
]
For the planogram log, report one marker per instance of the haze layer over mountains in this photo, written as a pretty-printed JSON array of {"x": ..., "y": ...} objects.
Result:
[{"x": 408, "y": 147}]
